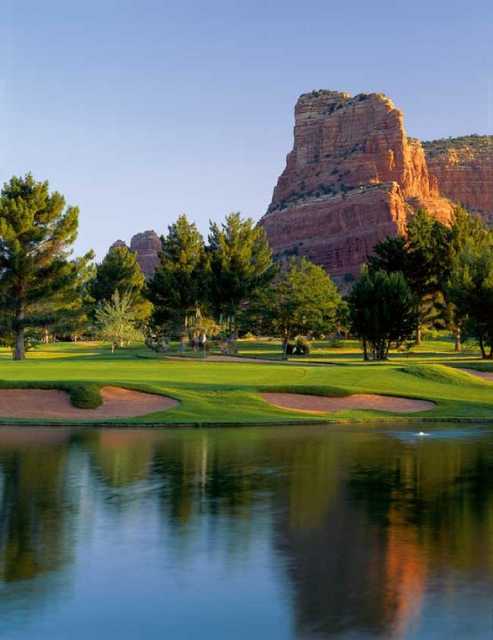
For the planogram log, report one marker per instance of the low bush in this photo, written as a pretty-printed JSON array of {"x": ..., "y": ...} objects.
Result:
[{"x": 85, "y": 396}]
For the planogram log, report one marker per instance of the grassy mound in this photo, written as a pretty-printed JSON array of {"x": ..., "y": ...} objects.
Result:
[
  {"x": 442, "y": 374},
  {"x": 309, "y": 390},
  {"x": 83, "y": 395}
]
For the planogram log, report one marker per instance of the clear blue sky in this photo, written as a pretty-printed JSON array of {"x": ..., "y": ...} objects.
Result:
[{"x": 138, "y": 110}]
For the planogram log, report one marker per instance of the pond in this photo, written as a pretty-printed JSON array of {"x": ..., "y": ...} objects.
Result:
[{"x": 276, "y": 533}]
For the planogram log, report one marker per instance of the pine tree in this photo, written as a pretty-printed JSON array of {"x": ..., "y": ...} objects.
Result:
[
  {"x": 424, "y": 258},
  {"x": 36, "y": 233},
  {"x": 240, "y": 264},
  {"x": 180, "y": 282},
  {"x": 120, "y": 271}
]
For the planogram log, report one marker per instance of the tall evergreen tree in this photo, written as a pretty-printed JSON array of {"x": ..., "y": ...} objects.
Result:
[
  {"x": 120, "y": 271},
  {"x": 470, "y": 287},
  {"x": 72, "y": 319},
  {"x": 179, "y": 284},
  {"x": 36, "y": 234},
  {"x": 240, "y": 264},
  {"x": 383, "y": 311},
  {"x": 423, "y": 257}
]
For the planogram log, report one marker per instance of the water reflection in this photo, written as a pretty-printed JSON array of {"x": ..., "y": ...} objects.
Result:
[{"x": 275, "y": 533}]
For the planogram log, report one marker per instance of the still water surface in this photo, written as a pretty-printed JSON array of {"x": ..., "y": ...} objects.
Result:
[{"x": 268, "y": 533}]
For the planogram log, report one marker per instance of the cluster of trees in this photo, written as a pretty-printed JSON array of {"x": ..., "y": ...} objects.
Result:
[
  {"x": 221, "y": 286},
  {"x": 437, "y": 275}
]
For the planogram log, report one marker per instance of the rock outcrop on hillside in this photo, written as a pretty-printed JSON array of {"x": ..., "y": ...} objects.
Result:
[
  {"x": 463, "y": 169},
  {"x": 352, "y": 178},
  {"x": 147, "y": 246}
]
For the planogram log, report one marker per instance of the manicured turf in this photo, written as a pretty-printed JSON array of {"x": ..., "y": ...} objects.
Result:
[{"x": 226, "y": 392}]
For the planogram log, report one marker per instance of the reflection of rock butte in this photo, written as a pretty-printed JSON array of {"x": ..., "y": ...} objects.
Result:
[
  {"x": 322, "y": 404},
  {"x": 406, "y": 570},
  {"x": 47, "y": 404}
]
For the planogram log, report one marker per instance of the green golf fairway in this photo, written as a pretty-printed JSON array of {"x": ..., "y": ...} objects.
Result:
[{"x": 227, "y": 392}]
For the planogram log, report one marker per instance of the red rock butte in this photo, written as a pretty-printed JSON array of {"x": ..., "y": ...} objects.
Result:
[
  {"x": 352, "y": 178},
  {"x": 146, "y": 246}
]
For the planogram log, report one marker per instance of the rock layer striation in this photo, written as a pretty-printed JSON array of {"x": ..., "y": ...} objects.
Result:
[
  {"x": 352, "y": 178},
  {"x": 463, "y": 170}
]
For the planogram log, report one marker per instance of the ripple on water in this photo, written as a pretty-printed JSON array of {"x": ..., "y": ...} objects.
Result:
[{"x": 441, "y": 434}]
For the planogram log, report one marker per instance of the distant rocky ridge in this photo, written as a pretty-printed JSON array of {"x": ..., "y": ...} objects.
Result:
[
  {"x": 352, "y": 178},
  {"x": 147, "y": 246},
  {"x": 463, "y": 169}
]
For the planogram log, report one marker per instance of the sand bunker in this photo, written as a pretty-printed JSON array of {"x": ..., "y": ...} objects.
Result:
[
  {"x": 323, "y": 404},
  {"x": 46, "y": 404},
  {"x": 486, "y": 375}
]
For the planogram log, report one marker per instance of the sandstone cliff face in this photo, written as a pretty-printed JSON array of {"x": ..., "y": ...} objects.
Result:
[
  {"x": 463, "y": 170},
  {"x": 352, "y": 178},
  {"x": 147, "y": 246}
]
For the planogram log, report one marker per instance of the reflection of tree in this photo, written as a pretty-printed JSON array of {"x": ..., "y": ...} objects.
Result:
[
  {"x": 360, "y": 522},
  {"x": 209, "y": 477},
  {"x": 33, "y": 525},
  {"x": 122, "y": 457}
]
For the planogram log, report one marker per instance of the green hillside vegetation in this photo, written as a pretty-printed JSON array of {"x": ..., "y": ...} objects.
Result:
[{"x": 442, "y": 145}]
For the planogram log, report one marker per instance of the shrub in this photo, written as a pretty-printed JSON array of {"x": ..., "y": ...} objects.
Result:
[
  {"x": 85, "y": 396},
  {"x": 302, "y": 346}
]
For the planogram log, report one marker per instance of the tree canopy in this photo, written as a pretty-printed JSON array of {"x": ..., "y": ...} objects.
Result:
[
  {"x": 302, "y": 300},
  {"x": 180, "y": 282},
  {"x": 120, "y": 271},
  {"x": 37, "y": 231},
  {"x": 240, "y": 262},
  {"x": 383, "y": 311}
]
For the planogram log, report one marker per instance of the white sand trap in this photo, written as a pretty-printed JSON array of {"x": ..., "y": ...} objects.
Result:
[
  {"x": 486, "y": 375},
  {"x": 324, "y": 404},
  {"x": 48, "y": 403}
]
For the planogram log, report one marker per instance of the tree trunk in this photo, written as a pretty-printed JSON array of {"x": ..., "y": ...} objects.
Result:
[
  {"x": 365, "y": 350},
  {"x": 418, "y": 335},
  {"x": 46, "y": 336},
  {"x": 20, "y": 347},
  {"x": 458, "y": 343},
  {"x": 481, "y": 346}
]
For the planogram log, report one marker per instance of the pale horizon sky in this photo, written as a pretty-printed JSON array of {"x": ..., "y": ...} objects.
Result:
[{"x": 139, "y": 110}]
